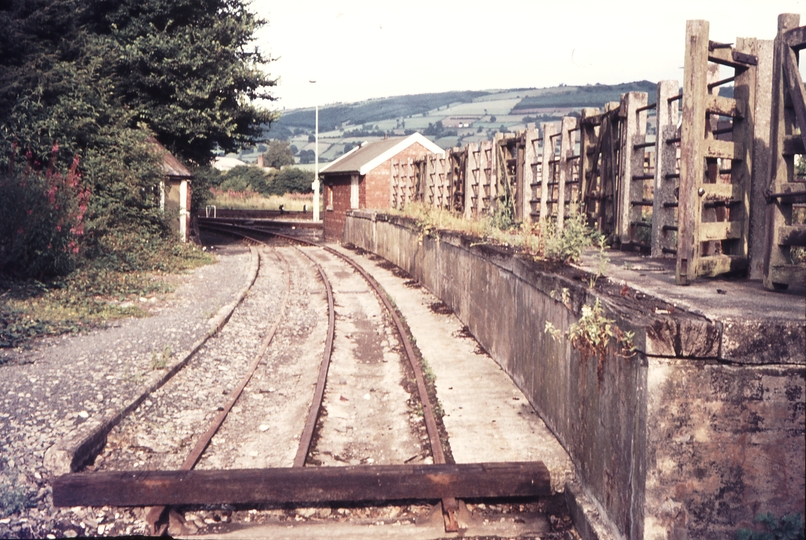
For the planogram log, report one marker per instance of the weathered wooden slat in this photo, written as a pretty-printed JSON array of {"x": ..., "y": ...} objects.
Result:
[
  {"x": 793, "y": 144},
  {"x": 720, "y": 264},
  {"x": 732, "y": 58},
  {"x": 723, "y": 149},
  {"x": 721, "y": 192},
  {"x": 786, "y": 274},
  {"x": 792, "y": 235},
  {"x": 302, "y": 485},
  {"x": 726, "y": 106},
  {"x": 796, "y": 38},
  {"x": 693, "y": 152},
  {"x": 796, "y": 91},
  {"x": 721, "y": 230}
]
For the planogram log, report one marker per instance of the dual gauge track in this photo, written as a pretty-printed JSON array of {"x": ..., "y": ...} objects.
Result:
[{"x": 301, "y": 484}]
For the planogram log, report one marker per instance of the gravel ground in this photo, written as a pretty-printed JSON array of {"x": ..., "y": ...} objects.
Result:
[
  {"x": 59, "y": 387},
  {"x": 48, "y": 391}
]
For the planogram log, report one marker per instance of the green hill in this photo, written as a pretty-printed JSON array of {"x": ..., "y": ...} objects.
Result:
[{"x": 449, "y": 118}]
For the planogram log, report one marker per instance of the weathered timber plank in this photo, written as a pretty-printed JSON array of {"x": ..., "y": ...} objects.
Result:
[
  {"x": 732, "y": 58},
  {"x": 793, "y": 144},
  {"x": 796, "y": 38},
  {"x": 796, "y": 90},
  {"x": 720, "y": 230},
  {"x": 302, "y": 485},
  {"x": 792, "y": 235},
  {"x": 720, "y": 264},
  {"x": 693, "y": 152},
  {"x": 788, "y": 274},
  {"x": 721, "y": 192},
  {"x": 726, "y": 106},
  {"x": 723, "y": 149}
]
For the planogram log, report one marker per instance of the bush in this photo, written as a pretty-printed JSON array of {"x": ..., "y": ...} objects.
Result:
[
  {"x": 42, "y": 219},
  {"x": 292, "y": 180},
  {"x": 246, "y": 178}
]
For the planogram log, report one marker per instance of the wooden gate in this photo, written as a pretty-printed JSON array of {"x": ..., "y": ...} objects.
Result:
[
  {"x": 714, "y": 198},
  {"x": 787, "y": 191}
]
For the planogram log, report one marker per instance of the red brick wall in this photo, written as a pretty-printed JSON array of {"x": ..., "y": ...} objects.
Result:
[{"x": 375, "y": 191}]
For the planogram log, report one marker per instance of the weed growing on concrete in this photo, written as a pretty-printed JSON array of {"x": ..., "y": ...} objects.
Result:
[
  {"x": 789, "y": 527},
  {"x": 591, "y": 334}
]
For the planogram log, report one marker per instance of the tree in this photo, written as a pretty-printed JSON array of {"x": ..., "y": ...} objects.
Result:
[
  {"x": 307, "y": 156},
  {"x": 186, "y": 69},
  {"x": 101, "y": 76},
  {"x": 292, "y": 180},
  {"x": 247, "y": 178},
  {"x": 278, "y": 154}
]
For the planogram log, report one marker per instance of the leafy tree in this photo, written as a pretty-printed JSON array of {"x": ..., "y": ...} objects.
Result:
[
  {"x": 292, "y": 180},
  {"x": 185, "y": 68},
  {"x": 100, "y": 77},
  {"x": 246, "y": 178},
  {"x": 307, "y": 156},
  {"x": 278, "y": 154}
]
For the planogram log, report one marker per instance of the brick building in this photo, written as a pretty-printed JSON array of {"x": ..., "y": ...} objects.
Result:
[{"x": 362, "y": 178}]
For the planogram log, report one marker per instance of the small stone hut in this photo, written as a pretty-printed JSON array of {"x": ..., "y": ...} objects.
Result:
[
  {"x": 175, "y": 190},
  {"x": 362, "y": 178}
]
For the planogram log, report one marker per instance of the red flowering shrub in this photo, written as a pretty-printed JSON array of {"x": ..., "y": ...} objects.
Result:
[{"x": 41, "y": 217}]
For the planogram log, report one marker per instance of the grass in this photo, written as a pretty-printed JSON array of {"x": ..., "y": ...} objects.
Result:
[
  {"x": 542, "y": 241},
  {"x": 236, "y": 200},
  {"x": 89, "y": 297}
]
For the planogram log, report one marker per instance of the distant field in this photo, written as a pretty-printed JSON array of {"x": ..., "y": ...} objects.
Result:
[{"x": 489, "y": 110}]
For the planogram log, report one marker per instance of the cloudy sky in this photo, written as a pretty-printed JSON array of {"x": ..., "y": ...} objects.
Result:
[{"x": 360, "y": 49}]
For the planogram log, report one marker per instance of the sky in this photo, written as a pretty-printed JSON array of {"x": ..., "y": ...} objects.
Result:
[{"x": 362, "y": 49}]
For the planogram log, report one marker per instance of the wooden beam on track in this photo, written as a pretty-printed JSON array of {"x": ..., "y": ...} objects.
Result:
[{"x": 302, "y": 485}]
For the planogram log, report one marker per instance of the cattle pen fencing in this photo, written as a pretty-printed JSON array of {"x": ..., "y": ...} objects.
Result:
[{"x": 687, "y": 173}]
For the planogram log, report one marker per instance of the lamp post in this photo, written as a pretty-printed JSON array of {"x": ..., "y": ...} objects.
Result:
[{"x": 316, "y": 183}]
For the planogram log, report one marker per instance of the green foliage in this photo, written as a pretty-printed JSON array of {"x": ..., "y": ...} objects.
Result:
[
  {"x": 14, "y": 496},
  {"x": 93, "y": 293},
  {"x": 246, "y": 178},
  {"x": 592, "y": 332},
  {"x": 187, "y": 69},
  {"x": 291, "y": 180},
  {"x": 41, "y": 220},
  {"x": 566, "y": 246},
  {"x": 100, "y": 77},
  {"x": 204, "y": 180},
  {"x": 278, "y": 154},
  {"x": 160, "y": 360},
  {"x": 789, "y": 527}
]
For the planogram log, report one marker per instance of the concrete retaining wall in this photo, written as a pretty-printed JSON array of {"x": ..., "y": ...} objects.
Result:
[{"x": 674, "y": 441}]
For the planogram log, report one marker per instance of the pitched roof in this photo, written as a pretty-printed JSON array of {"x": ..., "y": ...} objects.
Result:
[
  {"x": 369, "y": 155},
  {"x": 170, "y": 165}
]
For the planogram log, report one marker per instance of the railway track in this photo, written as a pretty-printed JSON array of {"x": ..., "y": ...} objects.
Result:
[{"x": 364, "y": 400}]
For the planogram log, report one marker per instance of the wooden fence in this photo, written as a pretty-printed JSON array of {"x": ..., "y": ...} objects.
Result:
[{"x": 715, "y": 187}]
